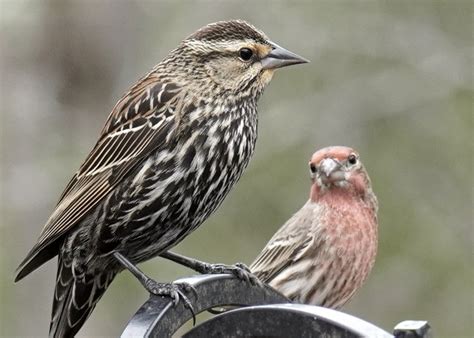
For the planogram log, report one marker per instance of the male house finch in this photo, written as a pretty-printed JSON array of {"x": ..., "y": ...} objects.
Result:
[
  {"x": 171, "y": 149},
  {"x": 324, "y": 253}
]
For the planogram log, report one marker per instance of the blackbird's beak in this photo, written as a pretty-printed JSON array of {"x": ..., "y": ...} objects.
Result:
[
  {"x": 280, "y": 57},
  {"x": 331, "y": 171}
]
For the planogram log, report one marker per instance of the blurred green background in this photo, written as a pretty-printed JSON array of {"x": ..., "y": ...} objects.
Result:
[{"x": 393, "y": 79}]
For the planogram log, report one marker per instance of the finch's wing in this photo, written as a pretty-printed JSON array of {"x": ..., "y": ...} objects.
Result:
[
  {"x": 142, "y": 121},
  {"x": 280, "y": 252}
]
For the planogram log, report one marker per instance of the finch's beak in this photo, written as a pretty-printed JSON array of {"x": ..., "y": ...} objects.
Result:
[
  {"x": 280, "y": 57},
  {"x": 331, "y": 171}
]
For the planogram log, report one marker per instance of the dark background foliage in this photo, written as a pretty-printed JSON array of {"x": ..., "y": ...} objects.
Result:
[{"x": 391, "y": 78}]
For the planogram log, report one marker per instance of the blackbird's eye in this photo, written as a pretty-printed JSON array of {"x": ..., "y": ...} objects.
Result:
[
  {"x": 352, "y": 159},
  {"x": 245, "y": 54},
  {"x": 313, "y": 168}
]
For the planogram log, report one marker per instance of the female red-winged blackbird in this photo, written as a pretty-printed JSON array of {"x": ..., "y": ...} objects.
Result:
[
  {"x": 324, "y": 253},
  {"x": 170, "y": 151}
]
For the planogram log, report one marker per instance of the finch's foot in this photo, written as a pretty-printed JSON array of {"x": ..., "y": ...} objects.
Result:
[{"x": 176, "y": 291}]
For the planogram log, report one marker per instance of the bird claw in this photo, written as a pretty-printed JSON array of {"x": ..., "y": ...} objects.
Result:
[
  {"x": 176, "y": 291},
  {"x": 239, "y": 270},
  {"x": 188, "y": 288}
]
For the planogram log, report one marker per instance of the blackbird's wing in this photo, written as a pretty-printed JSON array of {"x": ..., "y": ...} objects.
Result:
[{"x": 142, "y": 121}]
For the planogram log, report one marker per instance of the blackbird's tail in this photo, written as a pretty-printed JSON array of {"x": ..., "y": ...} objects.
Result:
[{"x": 74, "y": 300}]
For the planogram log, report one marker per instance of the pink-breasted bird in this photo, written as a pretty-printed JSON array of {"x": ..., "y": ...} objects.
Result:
[{"x": 324, "y": 253}]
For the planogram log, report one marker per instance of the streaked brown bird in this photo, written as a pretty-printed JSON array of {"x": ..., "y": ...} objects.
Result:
[
  {"x": 325, "y": 252},
  {"x": 170, "y": 151}
]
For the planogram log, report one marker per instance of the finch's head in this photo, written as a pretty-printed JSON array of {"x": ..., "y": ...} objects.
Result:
[
  {"x": 339, "y": 168},
  {"x": 234, "y": 56}
]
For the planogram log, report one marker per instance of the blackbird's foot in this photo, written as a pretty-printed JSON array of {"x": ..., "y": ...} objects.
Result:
[
  {"x": 239, "y": 270},
  {"x": 176, "y": 291}
]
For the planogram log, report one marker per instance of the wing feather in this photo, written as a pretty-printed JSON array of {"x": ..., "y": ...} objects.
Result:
[
  {"x": 288, "y": 244},
  {"x": 274, "y": 258},
  {"x": 140, "y": 122}
]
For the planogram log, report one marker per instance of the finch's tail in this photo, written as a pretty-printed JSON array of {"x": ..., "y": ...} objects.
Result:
[{"x": 74, "y": 300}]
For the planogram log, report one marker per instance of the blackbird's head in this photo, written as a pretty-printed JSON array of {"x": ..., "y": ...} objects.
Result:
[{"x": 232, "y": 56}]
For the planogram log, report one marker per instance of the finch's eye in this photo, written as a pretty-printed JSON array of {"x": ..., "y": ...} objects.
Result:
[
  {"x": 313, "y": 168},
  {"x": 352, "y": 159},
  {"x": 245, "y": 54}
]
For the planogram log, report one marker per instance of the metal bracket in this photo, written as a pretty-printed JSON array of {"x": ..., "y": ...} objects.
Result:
[
  {"x": 158, "y": 317},
  {"x": 286, "y": 320},
  {"x": 265, "y": 313},
  {"x": 412, "y": 329}
]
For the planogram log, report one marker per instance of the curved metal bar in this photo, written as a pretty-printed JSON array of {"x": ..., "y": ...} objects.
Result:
[
  {"x": 286, "y": 320},
  {"x": 158, "y": 317}
]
